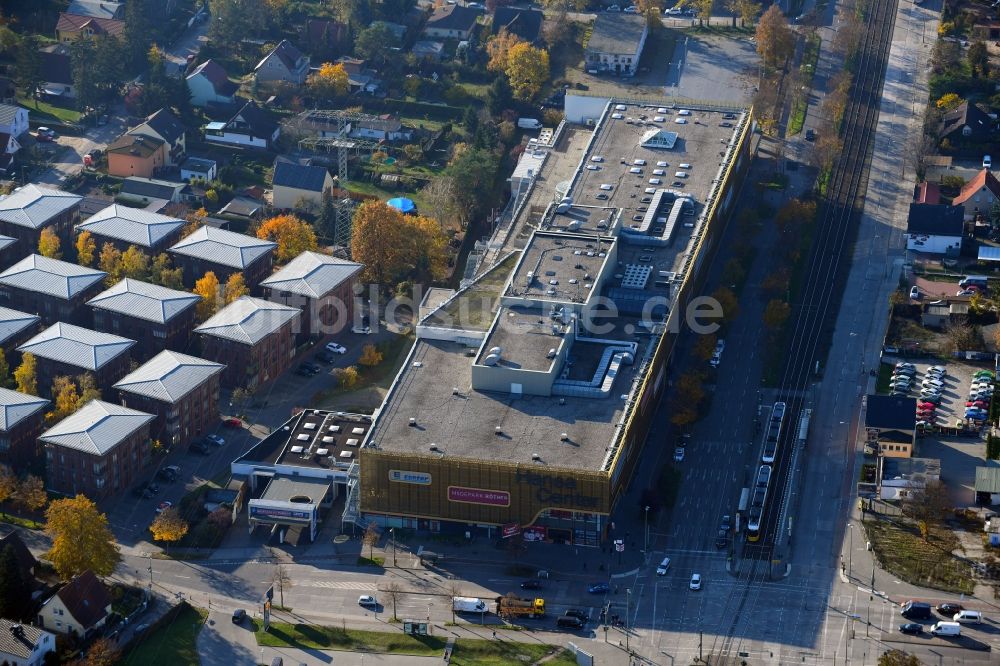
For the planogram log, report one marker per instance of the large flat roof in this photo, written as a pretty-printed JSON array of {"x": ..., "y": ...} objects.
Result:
[
  {"x": 560, "y": 267},
  {"x": 314, "y": 438}
]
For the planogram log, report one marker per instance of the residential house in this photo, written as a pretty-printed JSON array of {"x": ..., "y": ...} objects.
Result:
[
  {"x": 164, "y": 126},
  {"x": 978, "y": 195},
  {"x": 935, "y": 228},
  {"x": 71, "y": 27},
  {"x": 182, "y": 391},
  {"x": 124, "y": 227},
  {"x": 156, "y": 317},
  {"x": 104, "y": 9},
  {"x": 21, "y": 417},
  {"x": 157, "y": 193},
  {"x": 900, "y": 477},
  {"x": 966, "y": 124},
  {"x": 324, "y": 35},
  {"x": 243, "y": 208},
  {"x": 79, "y": 608},
  {"x": 8, "y": 148},
  {"x": 199, "y": 167},
  {"x": 322, "y": 287},
  {"x": 209, "y": 84},
  {"x": 616, "y": 44},
  {"x": 452, "y": 22},
  {"x": 26, "y": 562},
  {"x": 224, "y": 253},
  {"x": 53, "y": 289},
  {"x": 891, "y": 425},
  {"x": 380, "y": 128},
  {"x": 136, "y": 155},
  {"x": 13, "y": 119},
  {"x": 284, "y": 63},
  {"x": 56, "y": 71},
  {"x": 28, "y": 210},
  {"x": 24, "y": 644},
  {"x": 294, "y": 184},
  {"x": 98, "y": 450},
  {"x": 64, "y": 350},
  {"x": 15, "y": 328},
  {"x": 928, "y": 193},
  {"x": 325, "y": 124},
  {"x": 359, "y": 77},
  {"x": 253, "y": 338},
  {"x": 251, "y": 127},
  {"x": 523, "y": 23},
  {"x": 428, "y": 49}
]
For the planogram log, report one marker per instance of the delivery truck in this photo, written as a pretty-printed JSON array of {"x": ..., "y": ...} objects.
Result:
[
  {"x": 468, "y": 605},
  {"x": 516, "y": 607}
]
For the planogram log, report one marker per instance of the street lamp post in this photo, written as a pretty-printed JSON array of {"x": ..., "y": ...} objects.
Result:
[{"x": 645, "y": 546}]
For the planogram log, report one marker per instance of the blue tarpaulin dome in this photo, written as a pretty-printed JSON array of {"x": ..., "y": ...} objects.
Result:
[{"x": 402, "y": 204}]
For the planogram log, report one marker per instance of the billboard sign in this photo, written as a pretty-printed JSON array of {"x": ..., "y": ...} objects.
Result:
[
  {"x": 280, "y": 515},
  {"x": 509, "y": 530},
  {"x": 478, "y": 496},
  {"x": 403, "y": 476},
  {"x": 534, "y": 533}
]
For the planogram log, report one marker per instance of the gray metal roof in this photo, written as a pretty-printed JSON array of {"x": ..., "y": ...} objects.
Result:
[
  {"x": 13, "y": 322},
  {"x": 223, "y": 247},
  {"x": 988, "y": 479},
  {"x": 131, "y": 225},
  {"x": 96, "y": 428},
  {"x": 617, "y": 34},
  {"x": 32, "y": 205},
  {"x": 15, "y": 407},
  {"x": 144, "y": 300},
  {"x": 248, "y": 320},
  {"x": 77, "y": 346},
  {"x": 169, "y": 376},
  {"x": 6, "y": 241},
  {"x": 312, "y": 274},
  {"x": 50, "y": 276}
]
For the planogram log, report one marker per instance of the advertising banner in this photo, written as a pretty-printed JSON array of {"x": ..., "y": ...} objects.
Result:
[{"x": 478, "y": 496}]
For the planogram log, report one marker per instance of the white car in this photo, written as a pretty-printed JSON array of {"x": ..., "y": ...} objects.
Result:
[
  {"x": 597, "y": 158},
  {"x": 334, "y": 348},
  {"x": 683, "y": 165},
  {"x": 664, "y": 565},
  {"x": 367, "y": 600},
  {"x": 617, "y": 116},
  {"x": 620, "y": 107},
  {"x": 673, "y": 11},
  {"x": 680, "y": 174},
  {"x": 362, "y": 330},
  {"x": 914, "y": 293},
  {"x": 635, "y": 170},
  {"x": 661, "y": 163},
  {"x": 631, "y": 10},
  {"x": 659, "y": 172},
  {"x": 659, "y": 119},
  {"x": 695, "y": 581},
  {"x": 215, "y": 439},
  {"x": 987, "y": 162},
  {"x": 937, "y": 368}
]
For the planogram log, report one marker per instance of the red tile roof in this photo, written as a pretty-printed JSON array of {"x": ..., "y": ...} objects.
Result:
[
  {"x": 75, "y": 23},
  {"x": 983, "y": 179},
  {"x": 928, "y": 193}
]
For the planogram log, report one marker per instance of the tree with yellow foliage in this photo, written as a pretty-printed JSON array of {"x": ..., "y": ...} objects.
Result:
[
  {"x": 949, "y": 102},
  {"x": 526, "y": 67},
  {"x": 6, "y": 381},
  {"x": 208, "y": 288},
  {"x": 370, "y": 356},
  {"x": 67, "y": 399},
  {"x": 26, "y": 375},
  {"x": 329, "y": 81},
  {"x": 88, "y": 388},
  {"x": 85, "y": 248},
  {"x": 135, "y": 264},
  {"x": 49, "y": 244},
  {"x": 235, "y": 288},
  {"x": 30, "y": 494},
  {"x": 394, "y": 247},
  {"x": 169, "y": 526},
  {"x": 292, "y": 235},
  {"x": 81, "y": 539},
  {"x": 498, "y": 50},
  {"x": 111, "y": 263},
  {"x": 195, "y": 219}
]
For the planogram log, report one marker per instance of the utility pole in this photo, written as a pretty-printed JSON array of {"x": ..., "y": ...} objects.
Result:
[
  {"x": 628, "y": 599},
  {"x": 645, "y": 546}
]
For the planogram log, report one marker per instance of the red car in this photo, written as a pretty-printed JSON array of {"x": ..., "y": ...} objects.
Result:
[
  {"x": 977, "y": 403},
  {"x": 232, "y": 422},
  {"x": 925, "y": 405}
]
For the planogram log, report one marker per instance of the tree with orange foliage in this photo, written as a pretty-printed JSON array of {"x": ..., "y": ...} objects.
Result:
[
  {"x": 394, "y": 247},
  {"x": 208, "y": 288},
  {"x": 292, "y": 235},
  {"x": 498, "y": 49},
  {"x": 330, "y": 81}
]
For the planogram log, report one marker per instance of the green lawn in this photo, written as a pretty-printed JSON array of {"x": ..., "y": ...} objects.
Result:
[
  {"x": 884, "y": 377},
  {"x": 901, "y": 550},
  {"x": 174, "y": 643},
  {"x": 810, "y": 57},
  {"x": 502, "y": 653},
  {"x": 478, "y": 90},
  {"x": 307, "y": 636},
  {"x": 45, "y": 111}
]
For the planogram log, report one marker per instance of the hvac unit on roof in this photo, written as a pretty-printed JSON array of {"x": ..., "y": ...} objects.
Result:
[
  {"x": 296, "y": 449},
  {"x": 535, "y": 456},
  {"x": 322, "y": 452},
  {"x": 413, "y": 422}
]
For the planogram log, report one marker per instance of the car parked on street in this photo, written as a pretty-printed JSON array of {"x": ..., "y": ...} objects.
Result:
[
  {"x": 598, "y": 588},
  {"x": 913, "y": 628},
  {"x": 334, "y": 348}
]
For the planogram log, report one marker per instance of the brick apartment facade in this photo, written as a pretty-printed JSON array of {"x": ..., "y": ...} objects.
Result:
[
  {"x": 155, "y": 317},
  {"x": 21, "y": 417}
]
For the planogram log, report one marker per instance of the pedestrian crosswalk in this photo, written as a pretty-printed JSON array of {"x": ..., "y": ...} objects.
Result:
[{"x": 342, "y": 585}]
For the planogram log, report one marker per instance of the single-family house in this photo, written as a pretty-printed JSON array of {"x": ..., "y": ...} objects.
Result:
[
  {"x": 164, "y": 126},
  {"x": 124, "y": 227},
  {"x": 57, "y": 291},
  {"x": 24, "y": 644},
  {"x": 452, "y": 22},
  {"x": 429, "y": 49},
  {"x": 359, "y": 77},
  {"x": 935, "y": 228},
  {"x": 56, "y": 71},
  {"x": 136, "y": 155},
  {"x": 898, "y": 478},
  {"x": 616, "y": 44},
  {"x": 380, "y": 128},
  {"x": 967, "y": 123},
  {"x": 153, "y": 191},
  {"x": 224, "y": 253},
  {"x": 284, "y": 63},
  {"x": 15, "y": 328},
  {"x": 105, "y": 9},
  {"x": 523, "y": 23},
  {"x": 199, "y": 168},
  {"x": 209, "y": 84},
  {"x": 71, "y": 27},
  {"x": 8, "y": 148},
  {"x": 243, "y": 208},
  {"x": 324, "y": 35},
  {"x": 156, "y": 317},
  {"x": 79, "y": 608},
  {"x": 28, "y": 210},
  {"x": 253, "y": 338},
  {"x": 978, "y": 195},
  {"x": 251, "y": 127},
  {"x": 294, "y": 184},
  {"x": 891, "y": 425},
  {"x": 13, "y": 119},
  {"x": 64, "y": 350},
  {"x": 322, "y": 287},
  {"x": 181, "y": 391},
  {"x": 21, "y": 418}
]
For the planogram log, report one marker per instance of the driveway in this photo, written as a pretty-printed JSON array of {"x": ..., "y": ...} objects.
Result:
[{"x": 68, "y": 160}]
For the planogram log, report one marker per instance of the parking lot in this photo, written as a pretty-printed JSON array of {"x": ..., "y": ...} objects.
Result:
[{"x": 953, "y": 388}]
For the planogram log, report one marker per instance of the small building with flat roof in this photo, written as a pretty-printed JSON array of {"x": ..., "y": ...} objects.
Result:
[
  {"x": 899, "y": 477},
  {"x": 891, "y": 424},
  {"x": 291, "y": 502}
]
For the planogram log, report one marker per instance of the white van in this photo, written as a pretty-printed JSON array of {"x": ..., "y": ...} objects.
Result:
[
  {"x": 947, "y": 629},
  {"x": 968, "y": 617}
]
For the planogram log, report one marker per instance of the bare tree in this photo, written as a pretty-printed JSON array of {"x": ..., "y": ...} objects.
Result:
[
  {"x": 454, "y": 590},
  {"x": 928, "y": 505},
  {"x": 393, "y": 589},
  {"x": 281, "y": 580},
  {"x": 917, "y": 148},
  {"x": 370, "y": 539},
  {"x": 964, "y": 337}
]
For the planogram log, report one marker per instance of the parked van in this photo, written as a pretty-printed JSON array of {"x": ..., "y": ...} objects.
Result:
[
  {"x": 973, "y": 280},
  {"x": 968, "y": 617},
  {"x": 916, "y": 610},
  {"x": 947, "y": 629}
]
